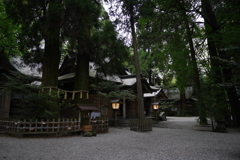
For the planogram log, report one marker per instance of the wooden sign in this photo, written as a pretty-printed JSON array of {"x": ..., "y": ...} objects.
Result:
[{"x": 87, "y": 128}]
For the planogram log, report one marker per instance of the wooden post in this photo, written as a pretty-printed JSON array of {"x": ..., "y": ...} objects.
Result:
[
  {"x": 124, "y": 108},
  {"x": 30, "y": 125},
  {"x": 53, "y": 125},
  {"x": 5, "y": 100},
  {"x": 47, "y": 124},
  {"x": 18, "y": 125},
  {"x": 115, "y": 119},
  {"x": 79, "y": 115},
  {"x": 58, "y": 125},
  {"x": 41, "y": 125}
]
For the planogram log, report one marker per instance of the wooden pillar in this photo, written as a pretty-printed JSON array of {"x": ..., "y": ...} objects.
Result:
[
  {"x": 5, "y": 100},
  {"x": 124, "y": 108}
]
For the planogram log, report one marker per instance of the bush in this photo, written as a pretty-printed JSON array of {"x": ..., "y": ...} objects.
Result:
[
  {"x": 30, "y": 102},
  {"x": 87, "y": 134}
]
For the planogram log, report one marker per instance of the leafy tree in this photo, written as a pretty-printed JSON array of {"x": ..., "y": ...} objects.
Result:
[
  {"x": 214, "y": 28},
  {"x": 40, "y": 21},
  {"x": 45, "y": 106},
  {"x": 111, "y": 91},
  {"x": 8, "y": 34},
  {"x": 128, "y": 19},
  {"x": 92, "y": 38},
  {"x": 81, "y": 18},
  {"x": 51, "y": 32},
  {"x": 169, "y": 41},
  {"x": 195, "y": 69}
]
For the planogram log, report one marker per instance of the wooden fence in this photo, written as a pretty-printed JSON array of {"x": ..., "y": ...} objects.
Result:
[
  {"x": 100, "y": 125},
  {"x": 58, "y": 127},
  {"x": 141, "y": 125}
]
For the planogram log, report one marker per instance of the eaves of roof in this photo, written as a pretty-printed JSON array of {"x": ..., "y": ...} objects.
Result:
[{"x": 145, "y": 87}]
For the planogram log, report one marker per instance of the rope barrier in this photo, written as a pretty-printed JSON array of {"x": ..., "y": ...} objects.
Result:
[{"x": 65, "y": 92}]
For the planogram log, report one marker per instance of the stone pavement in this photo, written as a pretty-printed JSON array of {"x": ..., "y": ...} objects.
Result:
[
  {"x": 177, "y": 138},
  {"x": 182, "y": 123}
]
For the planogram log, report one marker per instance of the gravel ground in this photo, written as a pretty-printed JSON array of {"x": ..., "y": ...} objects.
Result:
[{"x": 181, "y": 141}]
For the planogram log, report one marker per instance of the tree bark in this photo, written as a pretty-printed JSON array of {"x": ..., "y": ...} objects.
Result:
[
  {"x": 82, "y": 75},
  {"x": 212, "y": 28},
  {"x": 183, "y": 102},
  {"x": 52, "y": 54},
  {"x": 150, "y": 79},
  {"x": 234, "y": 103},
  {"x": 141, "y": 115},
  {"x": 196, "y": 78}
]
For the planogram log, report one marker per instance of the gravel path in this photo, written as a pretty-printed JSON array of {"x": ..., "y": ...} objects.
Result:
[{"x": 122, "y": 144}]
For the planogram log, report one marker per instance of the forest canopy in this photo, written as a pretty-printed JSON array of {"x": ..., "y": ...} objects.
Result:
[{"x": 188, "y": 42}]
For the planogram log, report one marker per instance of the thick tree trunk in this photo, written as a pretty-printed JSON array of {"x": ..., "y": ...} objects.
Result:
[
  {"x": 82, "y": 76},
  {"x": 52, "y": 54},
  {"x": 212, "y": 27},
  {"x": 211, "y": 20},
  {"x": 220, "y": 109},
  {"x": 183, "y": 102},
  {"x": 227, "y": 78},
  {"x": 196, "y": 78},
  {"x": 141, "y": 115},
  {"x": 150, "y": 79},
  {"x": 235, "y": 107},
  {"x": 231, "y": 90},
  {"x": 51, "y": 58},
  {"x": 82, "y": 83}
]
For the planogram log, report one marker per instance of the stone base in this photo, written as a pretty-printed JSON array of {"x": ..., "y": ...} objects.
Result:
[
  {"x": 221, "y": 127},
  {"x": 126, "y": 122}
]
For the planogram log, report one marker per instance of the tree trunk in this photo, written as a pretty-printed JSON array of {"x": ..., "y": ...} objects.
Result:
[
  {"x": 150, "y": 79},
  {"x": 52, "y": 54},
  {"x": 82, "y": 83},
  {"x": 183, "y": 102},
  {"x": 234, "y": 103},
  {"x": 124, "y": 107},
  {"x": 231, "y": 90},
  {"x": 196, "y": 78},
  {"x": 211, "y": 26},
  {"x": 137, "y": 67},
  {"x": 82, "y": 75}
]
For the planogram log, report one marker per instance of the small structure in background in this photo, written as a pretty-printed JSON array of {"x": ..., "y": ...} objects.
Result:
[
  {"x": 85, "y": 110},
  {"x": 150, "y": 98},
  {"x": 179, "y": 104},
  {"x": 95, "y": 124}
]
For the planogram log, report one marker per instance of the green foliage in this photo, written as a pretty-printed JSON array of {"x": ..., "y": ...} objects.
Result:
[
  {"x": 169, "y": 80},
  {"x": 111, "y": 91},
  {"x": 105, "y": 86},
  {"x": 214, "y": 107},
  {"x": 167, "y": 104},
  {"x": 108, "y": 49},
  {"x": 8, "y": 33},
  {"x": 30, "y": 101},
  {"x": 87, "y": 134},
  {"x": 161, "y": 38},
  {"x": 29, "y": 16}
]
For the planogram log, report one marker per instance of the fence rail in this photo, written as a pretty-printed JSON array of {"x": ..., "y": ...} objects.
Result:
[
  {"x": 21, "y": 127},
  {"x": 141, "y": 125},
  {"x": 100, "y": 125}
]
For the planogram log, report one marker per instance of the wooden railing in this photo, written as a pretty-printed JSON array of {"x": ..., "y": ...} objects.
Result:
[
  {"x": 58, "y": 127},
  {"x": 100, "y": 125},
  {"x": 141, "y": 125}
]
